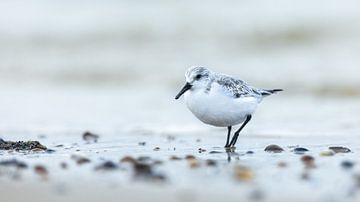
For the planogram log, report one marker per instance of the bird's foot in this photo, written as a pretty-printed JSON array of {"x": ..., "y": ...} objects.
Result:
[{"x": 229, "y": 148}]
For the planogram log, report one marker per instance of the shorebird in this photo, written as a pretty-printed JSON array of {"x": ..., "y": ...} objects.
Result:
[{"x": 221, "y": 100}]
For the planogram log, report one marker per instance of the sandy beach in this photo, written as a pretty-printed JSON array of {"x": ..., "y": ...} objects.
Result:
[{"x": 94, "y": 82}]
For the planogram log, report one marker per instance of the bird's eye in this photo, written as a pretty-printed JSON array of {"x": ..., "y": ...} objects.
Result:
[{"x": 198, "y": 77}]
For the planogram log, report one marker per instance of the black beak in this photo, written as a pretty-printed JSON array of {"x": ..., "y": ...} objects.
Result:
[{"x": 183, "y": 90}]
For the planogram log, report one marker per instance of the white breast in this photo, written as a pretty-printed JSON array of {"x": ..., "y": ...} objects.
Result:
[{"x": 217, "y": 108}]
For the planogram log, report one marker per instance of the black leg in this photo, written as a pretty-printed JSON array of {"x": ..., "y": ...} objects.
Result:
[
  {"x": 236, "y": 134},
  {"x": 228, "y": 136}
]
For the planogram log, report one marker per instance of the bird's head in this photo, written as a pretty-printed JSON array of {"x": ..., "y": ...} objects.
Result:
[{"x": 196, "y": 77}]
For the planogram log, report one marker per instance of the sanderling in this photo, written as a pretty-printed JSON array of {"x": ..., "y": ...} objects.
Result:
[{"x": 221, "y": 100}]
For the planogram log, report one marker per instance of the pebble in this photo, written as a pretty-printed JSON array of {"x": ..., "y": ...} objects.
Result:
[
  {"x": 127, "y": 159},
  {"x": 250, "y": 152},
  {"x": 347, "y": 164},
  {"x": 282, "y": 164},
  {"x": 156, "y": 149},
  {"x": 80, "y": 160},
  {"x": 327, "y": 153},
  {"x": 188, "y": 157},
  {"x": 274, "y": 149},
  {"x": 15, "y": 163},
  {"x": 107, "y": 165},
  {"x": 243, "y": 173},
  {"x": 41, "y": 170},
  {"x": 300, "y": 150},
  {"x": 90, "y": 137},
  {"x": 142, "y": 143},
  {"x": 174, "y": 158},
  {"x": 194, "y": 163},
  {"x": 143, "y": 158},
  {"x": 340, "y": 149},
  {"x": 215, "y": 152},
  {"x": 64, "y": 165},
  {"x": 211, "y": 162},
  {"x": 308, "y": 161}
]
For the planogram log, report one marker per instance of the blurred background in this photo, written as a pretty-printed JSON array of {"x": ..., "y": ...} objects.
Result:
[{"x": 106, "y": 64}]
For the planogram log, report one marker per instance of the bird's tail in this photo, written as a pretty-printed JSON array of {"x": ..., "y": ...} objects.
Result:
[{"x": 270, "y": 92}]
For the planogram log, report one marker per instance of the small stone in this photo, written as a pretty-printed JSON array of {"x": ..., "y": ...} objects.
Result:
[
  {"x": 15, "y": 163},
  {"x": 41, "y": 170},
  {"x": 215, "y": 152},
  {"x": 64, "y": 165},
  {"x": 300, "y": 150},
  {"x": 127, "y": 159},
  {"x": 142, "y": 143},
  {"x": 347, "y": 164},
  {"x": 305, "y": 176},
  {"x": 80, "y": 160},
  {"x": 250, "y": 152},
  {"x": 156, "y": 149},
  {"x": 50, "y": 151},
  {"x": 243, "y": 173},
  {"x": 90, "y": 137},
  {"x": 308, "y": 161},
  {"x": 193, "y": 163},
  {"x": 107, "y": 165},
  {"x": 143, "y": 158},
  {"x": 211, "y": 162},
  {"x": 274, "y": 149},
  {"x": 282, "y": 164},
  {"x": 327, "y": 153},
  {"x": 198, "y": 140},
  {"x": 170, "y": 138},
  {"x": 174, "y": 158},
  {"x": 188, "y": 157},
  {"x": 340, "y": 149}
]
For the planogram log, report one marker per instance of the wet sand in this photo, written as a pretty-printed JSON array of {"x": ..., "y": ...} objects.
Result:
[{"x": 172, "y": 156}]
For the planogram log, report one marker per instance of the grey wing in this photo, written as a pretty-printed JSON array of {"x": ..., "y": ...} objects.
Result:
[{"x": 238, "y": 88}]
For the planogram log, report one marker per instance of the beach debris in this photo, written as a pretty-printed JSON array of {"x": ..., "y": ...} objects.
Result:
[
  {"x": 211, "y": 162},
  {"x": 250, "y": 152},
  {"x": 339, "y": 149},
  {"x": 41, "y": 170},
  {"x": 80, "y": 160},
  {"x": 300, "y": 150},
  {"x": 243, "y": 173},
  {"x": 193, "y": 163},
  {"x": 327, "y": 153},
  {"x": 145, "y": 171},
  {"x": 305, "y": 175},
  {"x": 189, "y": 157},
  {"x": 282, "y": 164},
  {"x": 274, "y": 149},
  {"x": 63, "y": 165},
  {"x": 308, "y": 161},
  {"x": 107, "y": 165},
  {"x": 90, "y": 137},
  {"x": 201, "y": 150},
  {"x": 143, "y": 158},
  {"x": 142, "y": 143},
  {"x": 156, "y": 149},
  {"x": 14, "y": 163},
  {"x": 347, "y": 164},
  {"x": 174, "y": 158},
  {"x": 215, "y": 152},
  {"x": 22, "y": 145},
  {"x": 50, "y": 151},
  {"x": 171, "y": 138},
  {"x": 127, "y": 159}
]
